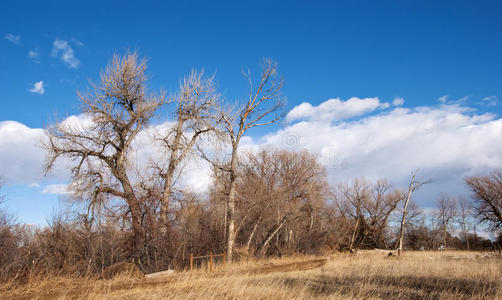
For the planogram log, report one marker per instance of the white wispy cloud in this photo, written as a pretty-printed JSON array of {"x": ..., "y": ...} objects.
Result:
[
  {"x": 16, "y": 39},
  {"x": 34, "y": 55},
  {"x": 57, "y": 189},
  {"x": 443, "y": 99},
  {"x": 398, "y": 101},
  {"x": 77, "y": 42},
  {"x": 38, "y": 88},
  {"x": 65, "y": 52},
  {"x": 335, "y": 109},
  {"x": 490, "y": 100}
]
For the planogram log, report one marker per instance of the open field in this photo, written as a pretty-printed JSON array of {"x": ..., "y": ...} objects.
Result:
[{"x": 369, "y": 275}]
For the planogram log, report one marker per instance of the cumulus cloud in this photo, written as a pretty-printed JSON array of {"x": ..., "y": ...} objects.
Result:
[
  {"x": 16, "y": 39},
  {"x": 38, "y": 88},
  {"x": 447, "y": 142},
  {"x": 64, "y": 51},
  {"x": 335, "y": 109},
  {"x": 21, "y": 158}
]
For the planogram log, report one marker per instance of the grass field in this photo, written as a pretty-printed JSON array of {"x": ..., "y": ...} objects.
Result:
[{"x": 369, "y": 275}]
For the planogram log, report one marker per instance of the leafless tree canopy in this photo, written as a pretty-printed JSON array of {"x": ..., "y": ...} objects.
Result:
[
  {"x": 487, "y": 196},
  {"x": 368, "y": 207},
  {"x": 196, "y": 113},
  {"x": 116, "y": 110},
  {"x": 446, "y": 213}
]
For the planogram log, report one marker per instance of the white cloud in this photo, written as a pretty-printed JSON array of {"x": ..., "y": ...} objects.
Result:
[
  {"x": 38, "y": 88},
  {"x": 77, "y": 42},
  {"x": 16, "y": 39},
  {"x": 490, "y": 100},
  {"x": 335, "y": 109},
  {"x": 65, "y": 51},
  {"x": 443, "y": 99},
  {"x": 33, "y": 54},
  {"x": 58, "y": 189},
  {"x": 446, "y": 142},
  {"x": 398, "y": 101},
  {"x": 34, "y": 185},
  {"x": 21, "y": 158}
]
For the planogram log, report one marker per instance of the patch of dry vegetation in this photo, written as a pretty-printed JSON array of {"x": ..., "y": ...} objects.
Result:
[{"x": 417, "y": 275}]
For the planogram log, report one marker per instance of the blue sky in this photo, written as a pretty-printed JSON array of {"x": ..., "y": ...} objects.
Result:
[{"x": 415, "y": 50}]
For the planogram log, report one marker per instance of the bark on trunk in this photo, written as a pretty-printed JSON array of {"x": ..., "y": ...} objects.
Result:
[
  {"x": 353, "y": 235},
  {"x": 251, "y": 236},
  {"x": 403, "y": 219},
  {"x": 260, "y": 251},
  {"x": 231, "y": 203}
]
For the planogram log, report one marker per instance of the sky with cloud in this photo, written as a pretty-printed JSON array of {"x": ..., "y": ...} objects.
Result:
[{"x": 375, "y": 91}]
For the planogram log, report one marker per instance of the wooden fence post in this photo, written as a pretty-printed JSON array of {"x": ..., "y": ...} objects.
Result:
[
  {"x": 191, "y": 262},
  {"x": 210, "y": 261}
]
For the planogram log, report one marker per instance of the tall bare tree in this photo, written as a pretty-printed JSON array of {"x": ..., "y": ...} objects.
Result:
[
  {"x": 487, "y": 196},
  {"x": 195, "y": 114},
  {"x": 446, "y": 213},
  {"x": 114, "y": 113},
  {"x": 411, "y": 188},
  {"x": 464, "y": 214},
  {"x": 262, "y": 107}
]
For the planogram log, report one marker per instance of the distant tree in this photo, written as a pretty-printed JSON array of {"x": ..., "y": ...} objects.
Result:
[
  {"x": 412, "y": 187},
  {"x": 118, "y": 108},
  {"x": 464, "y": 215},
  {"x": 446, "y": 212},
  {"x": 487, "y": 198},
  {"x": 369, "y": 207},
  {"x": 281, "y": 198}
]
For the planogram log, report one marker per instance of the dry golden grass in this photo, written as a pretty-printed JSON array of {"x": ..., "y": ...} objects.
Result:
[{"x": 416, "y": 275}]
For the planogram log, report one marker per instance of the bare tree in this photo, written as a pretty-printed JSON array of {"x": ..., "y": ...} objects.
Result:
[
  {"x": 412, "y": 187},
  {"x": 487, "y": 196},
  {"x": 115, "y": 111},
  {"x": 195, "y": 114},
  {"x": 261, "y": 108},
  {"x": 464, "y": 215},
  {"x": 284, "y": 194},
  {"x": 369, "y": 207},
  {"x": 446, "y": 213}
]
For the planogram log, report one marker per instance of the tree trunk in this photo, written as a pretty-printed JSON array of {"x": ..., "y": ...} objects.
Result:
[
  {"x": 231, "y": 204},
  {"x": 260, "y": 251},
  {"x": 444, "y": 238},
  {"x": 353, "y": 235},
  {"x": 403, "y": 220},
  {"x": 164, "y": 206},
  {"x": 230, "y": 219},
  {"x": 168, "y": 178},
  {"x": 251, "y": 236}
]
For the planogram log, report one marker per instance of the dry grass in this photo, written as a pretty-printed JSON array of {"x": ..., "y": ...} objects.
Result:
[{"x": 417, "y": 275}]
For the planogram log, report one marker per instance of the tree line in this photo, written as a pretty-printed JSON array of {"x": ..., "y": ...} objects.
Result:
[{"x": 266, "y": 202}]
